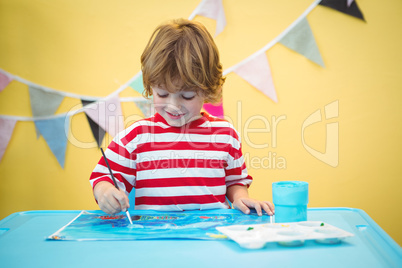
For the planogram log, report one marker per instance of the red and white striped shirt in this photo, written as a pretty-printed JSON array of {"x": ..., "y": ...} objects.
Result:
[{"x": 176, "y": 168}]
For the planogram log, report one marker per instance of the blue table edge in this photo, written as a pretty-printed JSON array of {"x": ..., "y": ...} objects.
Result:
[{"x": 387, "y": 239}]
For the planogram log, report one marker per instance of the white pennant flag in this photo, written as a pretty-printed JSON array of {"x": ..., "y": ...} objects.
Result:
[
  {"x": 107, "y": 114},
  {"x": 257, "y": 72},
  {"x": 212, "y": 9}
]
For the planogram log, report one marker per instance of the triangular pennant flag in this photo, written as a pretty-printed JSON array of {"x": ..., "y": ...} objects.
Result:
[
  {"x": 146, "y": 108},
  {"x": 98, "y": 132},
  {"x": 137, "y": 84},
  {"x": 301, "y": 39},
  {"x": 213, "y": 9},
  {"x": 107, "y": 114},
  {"x": 257, "y": 72},
  {"x": 6, "y": 131},
  {"x": 215, "y": 110},
  {"x": 348, "y": 7},
  {"x": 43, "y": 103},
  {"x": 54, "y": 132},
  {"x": 4, "y": 81}
]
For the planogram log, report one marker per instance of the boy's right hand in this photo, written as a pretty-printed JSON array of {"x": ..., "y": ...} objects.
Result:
[{"x": 110, "y": 199}]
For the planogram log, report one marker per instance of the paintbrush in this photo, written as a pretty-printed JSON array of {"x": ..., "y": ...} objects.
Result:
[{"x": 115, "y": 183}]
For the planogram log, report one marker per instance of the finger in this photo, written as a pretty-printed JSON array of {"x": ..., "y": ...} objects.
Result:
[
  {"x": 113, "y": 204},
  {"x": 257, "y": 208},
  {"x": 105, "y": 207},
  {"x": 241, "y": 206},
  {"x": 266, "y": 208},
  {"x": 254, "y": 204},
  {"x": 271, "y": 206},
  {"x": 123, "y": 200}
]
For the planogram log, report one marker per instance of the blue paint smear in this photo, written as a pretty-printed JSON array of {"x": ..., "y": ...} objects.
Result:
[{"x": 160, "y": 225}]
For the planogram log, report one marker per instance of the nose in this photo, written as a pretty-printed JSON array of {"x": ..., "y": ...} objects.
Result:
[{"x": 175, "y": 103}]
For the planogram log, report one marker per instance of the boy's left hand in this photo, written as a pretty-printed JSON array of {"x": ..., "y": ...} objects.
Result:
[{"x": 244, "y": 205}]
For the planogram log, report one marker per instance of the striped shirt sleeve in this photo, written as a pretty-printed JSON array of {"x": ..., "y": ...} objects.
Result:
[
  {"x": 122, "y": 164},
  {"x": 236, "y": 170}
]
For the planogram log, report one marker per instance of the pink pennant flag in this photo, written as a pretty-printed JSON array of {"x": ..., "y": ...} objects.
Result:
[
  {"x": 215, "y": 110},
  {"x": 212, "y": 9},
  {"x": 4, "y": 81},
  {"x": 107, "y": 114},
  {"x": 6, "y": 131},
  {"x": 257, "y": 72}
]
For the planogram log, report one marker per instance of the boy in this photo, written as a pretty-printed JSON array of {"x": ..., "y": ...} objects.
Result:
[{"x": 179, "y": 159}]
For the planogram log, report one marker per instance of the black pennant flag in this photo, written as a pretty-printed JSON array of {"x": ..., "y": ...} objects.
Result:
[
  {"x": 342, "y": 6},
  {"x": 97, "y": 131}
]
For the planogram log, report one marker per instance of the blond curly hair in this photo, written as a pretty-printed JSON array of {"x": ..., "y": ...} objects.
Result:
[{"x": 182, "y": 55}]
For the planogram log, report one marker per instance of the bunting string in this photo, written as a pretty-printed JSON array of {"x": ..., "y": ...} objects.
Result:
[
  {"x": 71, "y": 113},
  {"x": 255, "y": 69},
  {"x": 204, "y": 8},
  {"x": 11, "y": 77},
  {"x": 38, "y": 88},
  {"x": 274, "y": 41}
]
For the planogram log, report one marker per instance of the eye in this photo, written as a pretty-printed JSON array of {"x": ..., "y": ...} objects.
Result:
[
  {"x": 162, "y": 95},
  {"x": 188, "y": 95},
  {"x": 188, "y": 98}
]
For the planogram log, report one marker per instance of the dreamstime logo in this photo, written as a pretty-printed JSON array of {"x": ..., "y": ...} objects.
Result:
[{"x": 331, "y": 154}]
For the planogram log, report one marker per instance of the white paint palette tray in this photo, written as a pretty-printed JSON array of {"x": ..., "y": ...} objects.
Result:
[{"x": 286, "y": 234}]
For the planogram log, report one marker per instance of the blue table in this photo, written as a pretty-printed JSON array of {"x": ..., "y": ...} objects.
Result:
[{"x": 23, "y": 244}]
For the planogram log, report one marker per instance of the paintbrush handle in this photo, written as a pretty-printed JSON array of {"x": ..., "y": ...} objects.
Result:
[{"x": 110, "y": 170}]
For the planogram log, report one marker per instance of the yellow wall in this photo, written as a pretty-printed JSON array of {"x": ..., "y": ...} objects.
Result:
[{"x": 92, "y": 47}]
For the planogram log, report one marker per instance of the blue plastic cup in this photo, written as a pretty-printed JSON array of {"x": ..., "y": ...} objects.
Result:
[{"x": 290, "y": 199}]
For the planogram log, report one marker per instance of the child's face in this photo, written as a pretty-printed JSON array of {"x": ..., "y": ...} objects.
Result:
[{"x": 177, "y": 108}]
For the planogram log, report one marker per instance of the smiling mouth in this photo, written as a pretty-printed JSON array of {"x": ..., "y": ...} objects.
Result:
[{"x": 174, "y": 115}]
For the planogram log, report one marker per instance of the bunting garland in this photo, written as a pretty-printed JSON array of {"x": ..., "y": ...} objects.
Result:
[
  {"x": 104, "y": 114},
  {"x": 292, "y": 37},
  {"x": 38, "y": 97},
  {"x": 298, "y": 37}
]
